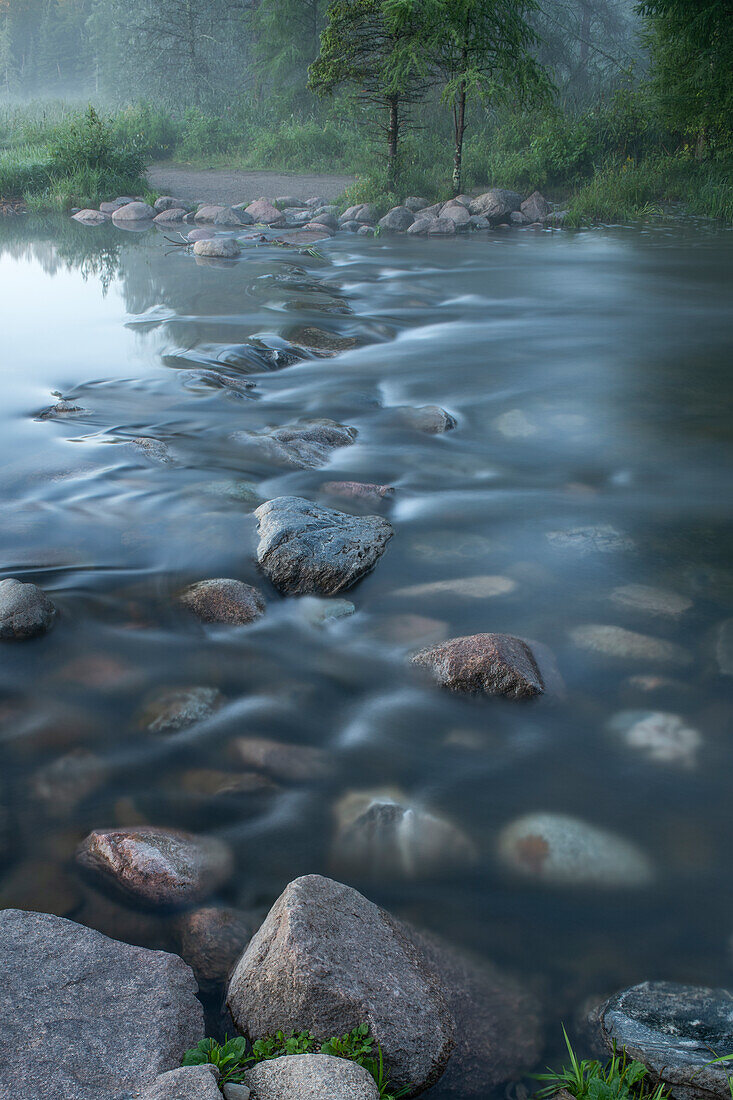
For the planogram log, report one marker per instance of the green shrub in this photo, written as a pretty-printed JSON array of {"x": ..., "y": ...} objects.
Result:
[
  {"x": 150, "y": 130},
  {"x": 619, "y": 1079},
  {"x": 88, "y": 142}
]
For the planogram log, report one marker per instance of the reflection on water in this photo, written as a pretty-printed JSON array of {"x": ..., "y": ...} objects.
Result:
[{"x": 588, "y": 377}]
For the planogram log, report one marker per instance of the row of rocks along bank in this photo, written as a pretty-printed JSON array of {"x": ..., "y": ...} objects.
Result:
[{"x": 103, "y": 1020}]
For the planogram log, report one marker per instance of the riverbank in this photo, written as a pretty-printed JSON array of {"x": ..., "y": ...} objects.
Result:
[{"x": 229, "y": 186}]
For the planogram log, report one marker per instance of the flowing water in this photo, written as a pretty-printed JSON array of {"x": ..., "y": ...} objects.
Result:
[{"x": 589, "y": 375}]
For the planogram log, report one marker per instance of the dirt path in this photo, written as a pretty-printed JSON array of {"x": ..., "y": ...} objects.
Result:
[{"x": 232, "y": 185}]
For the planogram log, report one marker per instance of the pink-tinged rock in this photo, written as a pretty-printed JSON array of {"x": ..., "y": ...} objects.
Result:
[
  {"x": 358, "y": 490},
  {"x": 536, "y": 207},
  {"x": 211, "y": 939},
  {"x": 223, "y": 600},
  {"x": 158, "y": 868},
  {"x": 265, "y": 213},
  {"x": 484, "y": 664}
]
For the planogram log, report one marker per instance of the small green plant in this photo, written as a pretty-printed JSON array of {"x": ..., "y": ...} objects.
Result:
[
  {"x": 620, "y": 1078},
  {"x": 229, "y": 1057},
  {"x": 724, "y": 1058}
]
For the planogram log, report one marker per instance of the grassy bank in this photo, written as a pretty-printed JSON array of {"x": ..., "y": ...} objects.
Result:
[{"x": 610, "y": 164}]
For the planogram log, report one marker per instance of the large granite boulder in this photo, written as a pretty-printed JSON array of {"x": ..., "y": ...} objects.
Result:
[
  {"x": 496, "y": 205},
  {"x": 306, "y": 549},
  {"x": 484, "y": 664},
  {"x": 154, "y": 867},
  {"x": 307, "y": 445},
  {"x": 86, "y": 1017},
  {"x": 311, "y": 1077},
  {"x": 327, "y": 960},
  {"x": 25, "y": 610},
  {"x": 676, "y": 1031},
  {"x": 133, "y": 212}
]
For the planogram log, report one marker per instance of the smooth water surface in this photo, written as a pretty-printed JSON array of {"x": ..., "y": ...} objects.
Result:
[{"x": 589, "y": 374}]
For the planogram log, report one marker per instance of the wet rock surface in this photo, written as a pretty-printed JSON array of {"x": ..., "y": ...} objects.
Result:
[
  {"x": 484, "y": 664},
  {"x": 211, "y": 940},
  {"x": 223, "y": 600},
  {"x": 179, "y": 708},
  {"x": 283, "y": 761},
  {"x": 97, "y": 1018},
  {"x": 25, "y": 610},
  {"x": 306, "y": 549}
]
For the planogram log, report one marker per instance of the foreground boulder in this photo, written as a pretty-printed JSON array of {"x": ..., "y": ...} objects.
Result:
[
  {"x": 327, "y": 960},
  {"x": 305, "y": 549},
  {"x": 223, "y": 600},
  {"x": 675, "y": 1031},
  {"x": 154, "y": 867},
  {"x": 133, "y": 212},
  {"x": 25, "y": 610},
  {"x": 217, "y": 248},
  {"x": 86, "y": 1017},
  {"x": 311, "y": 1077},
  {"x": 306, "y": 445},
  {"x": 186, "y": 1083},
  {"x": 484, "y": 664}
]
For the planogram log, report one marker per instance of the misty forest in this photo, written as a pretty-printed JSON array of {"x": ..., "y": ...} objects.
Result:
[{"x": 366, "y": 561}]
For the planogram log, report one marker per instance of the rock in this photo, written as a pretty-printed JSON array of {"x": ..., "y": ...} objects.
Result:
[
  {"x": 236, "y": 1091},
  {"x": 63, "y": 408},
  {"x": 288, "y": 202},
  {"x": 358, "y": 490},
  {"x": 311, "y": 1077},
  {"x": 724, "y": 647},
  {"x": 411, "y": 630},
  {"x": 200, "y": 235},
  {"x": 222, "y": 216},
  {"x": 185, "y": 1083},
  {"x": 497, "y": 1022},
  {"x": 86, "y": 1017},
  {"x": 318, "y": 227},
  {"x": 203, "y": 784},
  {"x": 614, "y": 641},
  {"x": 350, "y": 226},
  {"x": 133, "y": 212},
  {"x": 327, "y": 960},
  {"x": 664, "y": 738},
  {"x": 397, "y": 220},
  {"x": 305, "y": 549},
  {"x": 317, "y": 612},
  {"x": 675, "y": 1031},
  {"x": 599, "y": 538},
  {"x": 286, "y": 762},
  {"x": 154, "y": 449},
  {"x": 305, "y": 236},
  {"x": 42, "y": 885},
  {"x": 349, "y": 214},
  {"x": 564, "y": 851},
  {"x": 422, "y": 225},
  {"x": 366, "y": 231},
  {"x": 535, "y": 208},
  {"x": 487, "y": 664},
  {"x": 442, "y": 227},
  {"x": 153, "y": 867},
  {"x": 379, "y": 838},
  {"x": 223, "y": 601},
  {"x": 428, "y": 418},
  {"x": 330, "y": 221},
  {"x": 517, "y": 218},
  {"x": 415, "y": 203},
  {"x": 307, "y": 444},
  {"x": 67, "y": 780},
  {"x": 25, "y": 610},
  {"x": 220, "y": 248},
  {"x": 180, "y": 708},
  {"x": 496, "y": 205},
  {"x": 174, "y": 216},
  {"x": 477, "y": 588},
  {"x": 90, "y": 217},
  {"x": 457, "y": 213},
  {"x": 654, "y": 601},
  {"x": 263, "y": 212},
  {"x": 211, "y": 940},
  {"x": 115, "y": 204},
  {"x": 167, "y": 202},
  {"x": 367, "y": 214},
  {"x": 557, "y": 217},
  {"x": 315, "y": 201}
]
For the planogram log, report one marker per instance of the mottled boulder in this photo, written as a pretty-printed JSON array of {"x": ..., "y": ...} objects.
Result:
[
  {"x": 484, "y": 664},
  {"x": 264, "y": 213},
  {"x": 218, "y": 248},
  {"x": 185, "y": 1083},
  {"x": 90, "y": 217},
  {"x": 397, "y": 220},
  {"x": 627, "y": 645},
  {"x": 133, "y": 212},
  {"x": 154, "y": 867},
  {"x": 496, "y": 204},
  {"x": 211, "y": 940},
  {"x": 564, "y": 851},
  {"x": 311, "y": 1077},
  {"x": 223, "y": 600},
  {"x": 319, "y": 227},
  {"x": 327, "y": 960},
  {"x": 536, "y": 207},
  {"x": 283, "y": 760},
  {"x": 307, "y": 445},
  {"x": 330, "y": 221},
  {"x": 179, "y": 708},
  {"x": 86, "y": 1017},
  {"x": 25, "y": 610},
  {"x": 174, "y": 216},
  {"x": 428, "y": 418},
  {"x": 306, "y": 549},
  {"x": 675, "y": 1031}
]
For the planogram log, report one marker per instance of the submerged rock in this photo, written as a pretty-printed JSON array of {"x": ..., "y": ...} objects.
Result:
[
  {"x": 308, "y": 444},
  {"x": 428, "y": 418},
  {"x": 654, "y": 601},
  {"x": 63, "y": 408},
  {"x": 154, "y": 867},
  {"x": 319, "y": 611},
  {"x": 675, "y": 1031},
  {"x": 358, "y": 490},
  {"x": 305, "y": 549},
  {"x": 25, "y": 610},
  {"x": 599, "y": 538},
  {"x": 86, "y": 1017},
  {"x": 663, "y": 738},
  {"x": 211, "y": 940},
  {"x": 154, "y": 449},
  {"x": 282, "y": 760},
  {"x": 223, "y": 600},
  {"x": 615, "y": 641},
  {"x": 180, "y": 708},
  {"x": 326, "y": 959},
  {"x": 564, "y": 851},
  {"x": 724, "y": 647},
  {"x": 477, "y": 588},
  {"x": 311, "y": 1077},
  {"x": 484, "y": 664}
]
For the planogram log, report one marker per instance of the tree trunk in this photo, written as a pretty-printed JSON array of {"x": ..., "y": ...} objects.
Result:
[
  {"x": 459, "y": 128},
  {"x": 393, "y": 132}
]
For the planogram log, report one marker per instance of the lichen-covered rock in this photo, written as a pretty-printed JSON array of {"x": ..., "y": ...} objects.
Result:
[
  {"x": 484, "y": 664},
  {"x": 86, "y": 1017},
  {"x": 133, "y": 212},
  {"x": 397, "y": 220},
  {"x": 217, "y": 248},
  {"x": 327, "y": 960},
  {"x": 311, "y": 1077},
  {"x": 223, "y": 600},
  {"x": 158, "y": 868},
  {"x": 496, "y": 204},
  {"x": 675, "y": 1031},
  {"x": 25, "y": 610},
  {"x": 305, "y": 549},
  {"x": 308, "y": 444}
]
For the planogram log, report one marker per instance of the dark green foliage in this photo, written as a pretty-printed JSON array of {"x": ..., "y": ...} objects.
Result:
[
  {"x": 619, "y": 1079},
  {"x": 89, "y": 142}
]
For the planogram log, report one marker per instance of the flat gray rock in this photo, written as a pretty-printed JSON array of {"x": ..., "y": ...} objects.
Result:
[
  {"x": 185, "y": 1083},
  {"x": 674, "y": 1030},
  {"x": 86, "y": 1017},
  {"x": 305, "y": 549},
  {"x": 327, "y": 960},
  {"x": 25, "y": 610},
  {"x": 311, "y": 1077}
]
